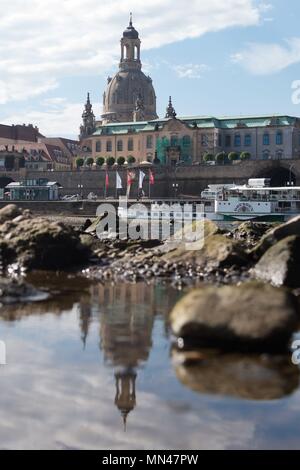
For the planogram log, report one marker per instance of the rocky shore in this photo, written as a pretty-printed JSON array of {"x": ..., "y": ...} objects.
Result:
[{"x": 243, "y": 284}]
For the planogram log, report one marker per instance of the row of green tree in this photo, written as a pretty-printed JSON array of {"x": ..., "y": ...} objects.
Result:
[
  {"x": 110, "y": 161},
  {"x": 222, "y": 157}
]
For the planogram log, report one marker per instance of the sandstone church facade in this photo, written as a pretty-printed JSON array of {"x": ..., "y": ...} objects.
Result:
[{"x": 130, "y": 125}]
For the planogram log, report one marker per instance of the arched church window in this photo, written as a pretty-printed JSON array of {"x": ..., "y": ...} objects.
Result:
[
  {"x": 130, "y": 144},
  {"x": 98, "y": 146},
  {"x": 109, "y": 146},
  {"x": 120, "y": 146}
]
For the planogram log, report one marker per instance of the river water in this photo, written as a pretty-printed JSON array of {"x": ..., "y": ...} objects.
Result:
[{"x": 93, "y": 368}]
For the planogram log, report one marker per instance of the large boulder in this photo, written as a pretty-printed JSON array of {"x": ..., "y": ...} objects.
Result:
[
  {"x": 37, "y": 243},
  {"x": 280, "y": 265},
  {"x": 250, "y": 377},
  {"x": 215, "y": 251},
  {"x": 292, "y": 227},
  {"x": 252, "y": 316}
]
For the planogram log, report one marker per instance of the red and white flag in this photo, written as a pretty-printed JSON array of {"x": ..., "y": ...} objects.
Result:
[
  {"x": 130, "y": 180},
  {"x": 106, "y": 180},
  {"x": 151, "y": 177}
]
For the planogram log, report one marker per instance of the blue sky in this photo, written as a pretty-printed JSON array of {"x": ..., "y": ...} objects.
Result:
[{"x": 216, "y": 57}]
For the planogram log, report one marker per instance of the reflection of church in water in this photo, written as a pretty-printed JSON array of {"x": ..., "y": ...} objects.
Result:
[{"x": 126, "y": 322}]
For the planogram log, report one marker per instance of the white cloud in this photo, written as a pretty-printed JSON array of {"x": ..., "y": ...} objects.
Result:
[
  {"x": 265, "y": 59},
  {"x": 56, "y": 117},
  {"x": 46, "y": 41},
  {"x": 191, "y": 70}
]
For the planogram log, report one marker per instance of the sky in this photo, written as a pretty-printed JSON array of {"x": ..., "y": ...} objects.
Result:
[{"x": 215, "y": 57}]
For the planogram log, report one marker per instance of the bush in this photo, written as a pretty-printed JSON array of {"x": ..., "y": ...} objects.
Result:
[
  {"x": 90, "y": 161},
  {"x": 100, "y": 161},
  {"x": 233, "y": 156},
  {"x": 221, "y": 157},
  {"x": 245, "y": 156},
  {"x": 121, "y": 161},
  {"x": 131, "y": 159},
  {"x": 79, "y": 162},
  {"x": 110, "y": 161},
  {"x": 208, "y": 157}
]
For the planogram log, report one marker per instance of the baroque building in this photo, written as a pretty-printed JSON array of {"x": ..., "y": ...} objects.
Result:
[{"x": 130, "y": 126}]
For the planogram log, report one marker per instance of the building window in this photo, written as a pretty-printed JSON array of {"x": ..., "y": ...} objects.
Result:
[
  {"x": 279, "y": 154},
  {"x": 266, "y": 139},
  {"x": 149, "y": 141},
  {"x": 220, "y": 140},
  {"x": 130, "y": 144},
  {"x": 174, "y": 141},
  {"x": 228, "y": 141},
  {"x": 248, "y": 140},
  {"x": 237, "y": 140},
  {"x": 204, "y": 140},
  {"x": 266, "y": 154},
  {"x": 108, "y": 146},
  {"x": 120, "y": 146},
  {"x": 186, "y": 141},
  {"x": 98, "y": 146},
  {"x": 279, "y": 138}
]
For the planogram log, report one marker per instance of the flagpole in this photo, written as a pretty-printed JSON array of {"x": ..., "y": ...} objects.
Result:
[{"x": 105, "y": 188}]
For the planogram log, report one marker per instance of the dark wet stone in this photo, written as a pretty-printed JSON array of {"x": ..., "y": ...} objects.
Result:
[
  {"x": 17, "y": 291},
  {"x": 37, "y": 243},
  {"x": 252, "y": 316}
]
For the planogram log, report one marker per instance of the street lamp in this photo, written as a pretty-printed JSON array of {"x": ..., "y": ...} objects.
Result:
[
  {"x": 291, "y": 167},
  {"x": 80, "y": 188},
  {"x": 175, "y": 187}
]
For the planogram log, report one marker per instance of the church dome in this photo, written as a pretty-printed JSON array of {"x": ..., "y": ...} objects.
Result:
[
  {"x": 130, "y": 33},
  {"x": 124, "y": 89},
  {"x": 130, "y": 90}
]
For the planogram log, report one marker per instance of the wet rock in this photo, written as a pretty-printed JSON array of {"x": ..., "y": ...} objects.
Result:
[
  {"x": 292, "y": 227},
  {"x": 280, "y": 265},
  {"x": 17, "y": 291},
  {"x": 217, "y": 251},
  {"x": 9, "y": 212},
  {"x": 250, "y": 232},
  {"x": 250, "y": 377},
  {"x": 37, "y": 243},
  {"x": 252, "y": 316}
]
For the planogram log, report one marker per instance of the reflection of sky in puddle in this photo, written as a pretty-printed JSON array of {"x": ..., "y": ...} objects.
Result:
[{"x": 59, "y": 387}]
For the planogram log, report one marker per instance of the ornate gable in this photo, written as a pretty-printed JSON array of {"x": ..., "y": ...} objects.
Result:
[{"x": 174, "y": 125}]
